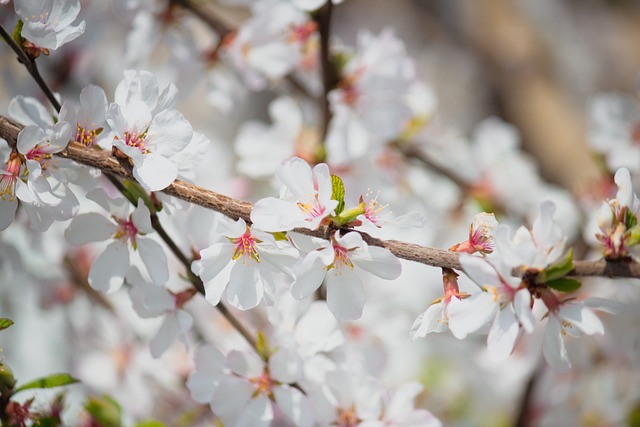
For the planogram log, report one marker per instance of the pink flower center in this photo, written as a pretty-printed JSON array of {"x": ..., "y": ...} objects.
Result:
[
  {"x": 40, "y": 155},
  {"x": 134, "y": 139},
  {"x": 8, "y": 178},
  {"x": 262, "y": 384},
  {"x": 85, "y": 136},
  {"x": 301, "y": 33},
  {"x": 341, "y": 258},
  {"x": 313, "y": 209},
  {"x": 246, "y": 248},
  {"x": 347, "y": 417},
  {"x": 127, "y": 231}
]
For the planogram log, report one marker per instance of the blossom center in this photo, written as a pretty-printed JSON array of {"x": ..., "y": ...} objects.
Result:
[
  {"x": 347, "y": 417},
  {"x": 40, "y": 155},
  {"x": 246, "y": 248},
  {"x": 85, "y": 136},
  {"x": 8, "y": 178},
  {"x": 127, "y": 231},
  {"x": 341, "y": 257},
  {"x": 263, "y": 384},
  {"x": 311, "y": 209},
  {"x": 136, "y": 139}
]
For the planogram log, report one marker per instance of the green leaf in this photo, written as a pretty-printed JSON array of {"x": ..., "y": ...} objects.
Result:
[
  {"x": 263, "y": 347},
  {"x": 105, "y": 410},
  {"x": 47, "y": 422},
  {"x": 630, "y": 219},
  {"x": 280, "y": 236},
  {"x": 17, "y": 33},
  {"x": 338, "y": 192},
  {"x": 134, "y": 191},
  {"x": 53, "y": 380},
  {"x": 5, "y": 323},
  {"x": 564, "y": 284},
  {"x": 557, "y": 270},
  {"x": 634, "y": 236},
  {"x": 150, "y": 423}
]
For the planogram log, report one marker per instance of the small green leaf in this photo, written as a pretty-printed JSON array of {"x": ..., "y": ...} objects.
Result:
[
  {"x": 262, "y": 346},
  {"x": 557, "y": 270},
  {"x": 280, "y": 236},
  {"x": 53, "y": 380},
  {"x": 105, "y": 410},
  {"x": 5, "y": 323},
  {"x": 564, "y": 284},
  {"x": 150, "y": 423},
  {"x": 630, "y": 219},
  {"x": 17, "y": 33},
  {"x": 338, "y": 192},
  {"x": 634, "y": 236},
  {"x": 47, "y": 422},
  {"x": 134, "y": 191}
]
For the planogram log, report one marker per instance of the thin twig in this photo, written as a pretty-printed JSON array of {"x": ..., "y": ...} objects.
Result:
[
  {"x": 235, "y": 209},
  {"x": 32, "y": 68}
]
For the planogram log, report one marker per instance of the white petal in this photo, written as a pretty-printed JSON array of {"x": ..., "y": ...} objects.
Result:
[
  {"x": 110, "y": 268},
  {"x": 377, "y": 261},
  {"x": 479, "y": 270},
  {"x": 201, "y": 386},
  {"x": 272, "y": 215},
  {"x": 553, "y": 346},
  {"x": 154, "y": 259},
  {"x": 7, "y": 212},
  {"x": 309, "y": 273},
  {"x": 166, "y": 335},
  {"x": 213, "y": 259},
  {"x": 232, "y": 396},
  {"x": 169, "y": 132},
  {"x": 258, "y": 413},
  {"x": 582, "y": 317},
  {"x": 294, "y": 405},
  {"x": 89, "y": 227},
  {"x": 522, "y": 306},
  {"x": 605, "y": 305},
  {"x": 141, "y": 218},
  {"x": 285, "y": 366},
  {"x": 427, "y": 322},
  {"x": 345, "y": 295},
  {"x": 155, "y": 172},
  {"x": 296, "y": 175},
  {"x": 503, "y": 334},
  {"x": 468, "y": 315},
  {"x": 246, "y": 286}
]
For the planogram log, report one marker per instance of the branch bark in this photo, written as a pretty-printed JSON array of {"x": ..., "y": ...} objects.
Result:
[{"x": 235, "y": 209}]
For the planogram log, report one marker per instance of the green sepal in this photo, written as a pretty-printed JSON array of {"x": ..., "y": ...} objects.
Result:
[
  {"x": 564, "y": 284},
  {"x": 105, "y": 410},
  {"x": 557, "y": 270},
  {"x": 280, "y": 236},
  {"x": 47, "y": 422},
  {"x": 17, "y": 33},
  {"x": 7, "y": 380},
  {"x": 5, "y": 323},
  {"x": 50, "y": 381},
  {"x": 630, "y": 219},
  {"x": 349, "y": 215},
  {"x": 150, "y": 423},
  {"x": 134, "y": 191},
  {"x": 337, "y": 193},
  {"x": 634, "y": 236},
  {"x": 263, "y": 347}
]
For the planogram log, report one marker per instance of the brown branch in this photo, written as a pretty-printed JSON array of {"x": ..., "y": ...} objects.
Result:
[{"x": 235, "y": 209}]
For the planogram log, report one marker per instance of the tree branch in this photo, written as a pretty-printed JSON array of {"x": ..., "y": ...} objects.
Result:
[{"x": 235, "y": 209}]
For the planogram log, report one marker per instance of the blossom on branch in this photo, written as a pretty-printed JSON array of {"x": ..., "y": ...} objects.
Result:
[
  {"x": 337, "y": 262},
  {"x": 305, "y": 200},
  {"x": 126, "y": 231},
  {"x": 47, "y": 24}
]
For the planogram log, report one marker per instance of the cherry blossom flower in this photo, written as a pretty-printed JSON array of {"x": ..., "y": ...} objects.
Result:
[
  {"x": 125, "y": 231},
  {"x": 146, "y": 130},
  {"x": 89, "y": 118},
  {"x": 25, "y": 178},
  {"x": 243, "y": 390},
  {"x": 617, "y": 217},
  {"x": 572, "y": 318},
  {"x": 615, "y": 130},
  {"x": 337, "y": 262},
  {"x": 150, "y": 300},
  {"x": 269, "y": 45},
  {"x": 47, "y": 24},
  {"x": 480, "y": 235},
  {"x": 506, "y": 302},
  {"x": 537, "y": 248},
  {"x": 256, "y": 257},
  {"x": 436, "y": 317},
  {"x": 306, "y": 201}
]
